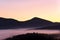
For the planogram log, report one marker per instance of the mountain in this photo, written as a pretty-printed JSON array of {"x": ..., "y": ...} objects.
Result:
[
  {"x": 55, "y": 26},
  {"x": 6, "y": 23},
  {"x": 37, "y": 22}
]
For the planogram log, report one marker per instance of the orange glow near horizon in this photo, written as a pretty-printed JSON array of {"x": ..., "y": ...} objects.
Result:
[{"x": 26, "y": 9}]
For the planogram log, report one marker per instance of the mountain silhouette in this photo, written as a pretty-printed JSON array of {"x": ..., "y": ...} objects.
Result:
[
  {"x": 6, "y": 23},
  {"x": 55, "y": 26},
  {"x": 37, "y": 22}
]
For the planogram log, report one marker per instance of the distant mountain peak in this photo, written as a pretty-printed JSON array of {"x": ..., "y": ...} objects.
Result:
[
  {"x": 36, "y": 18},
  {"x": 39, "y": 19}
]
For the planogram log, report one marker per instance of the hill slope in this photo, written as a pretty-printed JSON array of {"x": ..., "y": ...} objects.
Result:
[{"x": 34, "y": 22}]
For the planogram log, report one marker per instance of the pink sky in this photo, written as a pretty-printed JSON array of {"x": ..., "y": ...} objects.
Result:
[{"x": 27, "y": 9}]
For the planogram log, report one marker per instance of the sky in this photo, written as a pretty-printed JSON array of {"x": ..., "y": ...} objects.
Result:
[{"x": 26, "y": 9}]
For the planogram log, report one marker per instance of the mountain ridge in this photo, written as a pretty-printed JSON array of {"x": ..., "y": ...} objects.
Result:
[{"x": 9, "y": 23}]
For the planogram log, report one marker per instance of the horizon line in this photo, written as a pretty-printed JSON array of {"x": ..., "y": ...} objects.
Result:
[{"x": 25, "y": 20}]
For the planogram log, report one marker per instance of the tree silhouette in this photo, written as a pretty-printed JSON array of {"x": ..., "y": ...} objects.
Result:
[{"x": 31, "y": 36}]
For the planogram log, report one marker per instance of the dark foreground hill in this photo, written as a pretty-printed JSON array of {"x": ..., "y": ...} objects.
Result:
[{"x": 31, "y": 36}]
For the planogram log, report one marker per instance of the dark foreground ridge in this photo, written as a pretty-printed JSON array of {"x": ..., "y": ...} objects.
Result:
[{"x": 31, "y": 36}]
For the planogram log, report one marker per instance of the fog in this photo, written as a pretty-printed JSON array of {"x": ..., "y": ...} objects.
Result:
[{"x": 11, "y": 32}]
